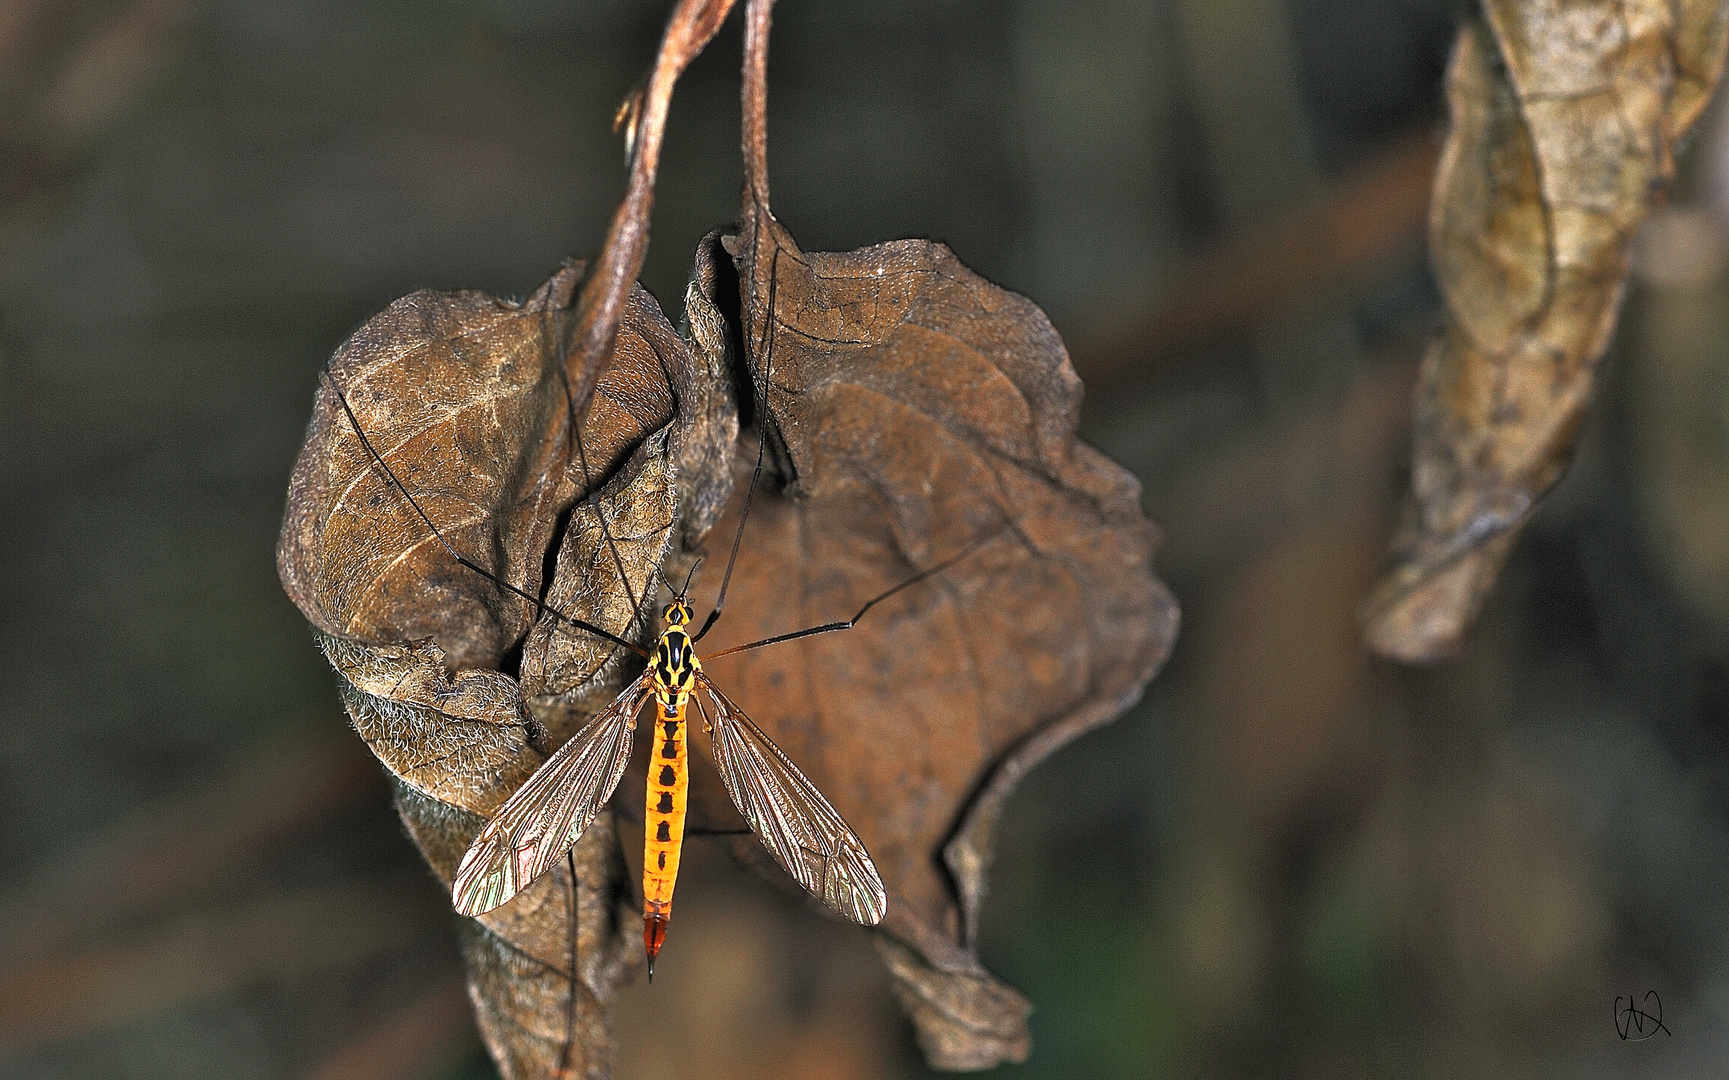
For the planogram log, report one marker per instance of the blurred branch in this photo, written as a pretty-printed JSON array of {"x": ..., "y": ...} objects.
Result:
[
  {"x": 185, "y": 847},
  {"x": 279, "y": 940},
  {"x": 1370, "y": 215},
  {"x": 1331, "y": 454},
  {"x": 412, "y": 1043},
  {"x": 67, "y": 71},
  {"x": 1242, "y": 77}
]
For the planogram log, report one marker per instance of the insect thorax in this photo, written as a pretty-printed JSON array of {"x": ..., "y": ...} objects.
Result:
[{"x": 675, "y": 666}]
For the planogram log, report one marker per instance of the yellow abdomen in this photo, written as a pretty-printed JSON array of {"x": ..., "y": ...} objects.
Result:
[{"x": 663, "y": 820}]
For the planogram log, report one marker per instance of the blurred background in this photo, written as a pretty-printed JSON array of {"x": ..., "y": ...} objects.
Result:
[{"x": 1322, "y": 865}]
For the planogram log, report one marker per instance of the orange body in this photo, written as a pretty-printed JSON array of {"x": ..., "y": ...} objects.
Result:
[{"x": 663, "y": 821}]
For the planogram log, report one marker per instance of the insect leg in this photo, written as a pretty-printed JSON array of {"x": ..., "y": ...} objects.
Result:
[
  {"x": 761, "y": 447},
  {"x": 564, "y": 1055}
]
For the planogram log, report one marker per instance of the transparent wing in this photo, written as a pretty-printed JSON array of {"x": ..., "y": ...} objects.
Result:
[
  {"x": 786, "y": 811},
  {"x": 549, "y": 812}
]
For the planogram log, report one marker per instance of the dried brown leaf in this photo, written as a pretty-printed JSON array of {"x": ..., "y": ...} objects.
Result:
[
  {"x": 921, "y": 412},
  {"x": 467, "y": 400},
  {"x": 464, "y": 395},
  {"x": 1565, "y": 116}
]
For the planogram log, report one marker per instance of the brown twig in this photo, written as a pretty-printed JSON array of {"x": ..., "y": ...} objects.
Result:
[
  {"x": 754, "y": 123},
  {"x": 692, "y": 25}
]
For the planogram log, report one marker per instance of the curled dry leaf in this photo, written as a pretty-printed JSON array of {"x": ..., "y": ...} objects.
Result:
[
  {"x": 922, "y": 411},
  {"x": 455, "y": 683},
  {"x": 1565, "y": 116},
  {"x": 472, "y": 401}
]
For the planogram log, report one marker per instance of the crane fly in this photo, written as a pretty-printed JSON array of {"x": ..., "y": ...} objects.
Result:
[
  {"x": 548, "y": 814},
  {"x": 550, "y": 811}
]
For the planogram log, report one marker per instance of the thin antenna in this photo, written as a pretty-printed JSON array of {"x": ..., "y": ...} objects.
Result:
[
  {"x": 829, "y": 628},
  {"x": 462, "y": 560},
  {"x": 761, "y": 446}
]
